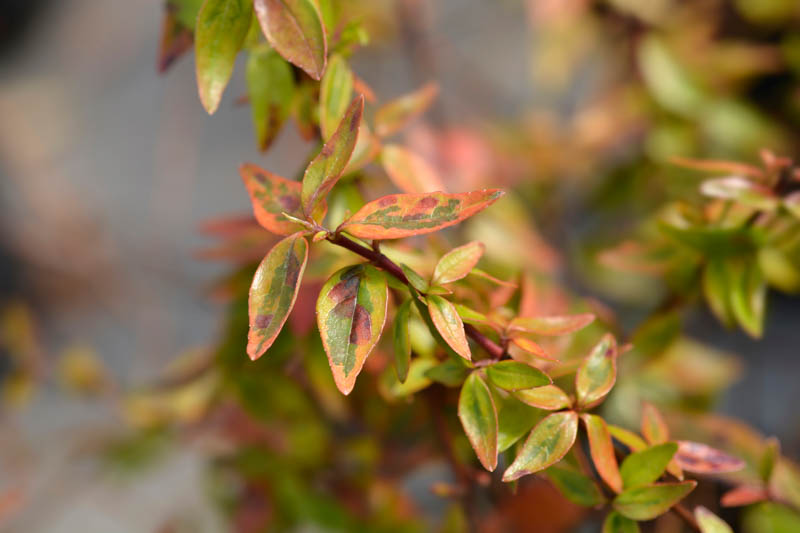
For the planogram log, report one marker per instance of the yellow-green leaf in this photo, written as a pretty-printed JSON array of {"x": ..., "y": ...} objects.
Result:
[
  {"x": 549, "y": 397},
  {"x": 478, "y": 416},
  {"x": 449, "y": 325},
  {"x": 646, "y": 466},
  {"x": 334, "y": 94},
  {"x": 547, "y": 444},
  {"x": 403, "y": 215},
  {"x": 274, "y": 291},
  {"x": 628, "y": 438},
  {"x": 551, "y": 325},
  {"x": 270, "y": 85},
  {"x": 408, "y": 171},
  {"x": 742, "y": 191},
  {"x": 402, "y": 342},
  {"x": 394, "y": 115},
  {"x": 716, "y": 290},
  {"x": 219, "y": 34},
  {"x": 325, "y": 170},
  {"x": 575, "y": 486},
  {"x": 514, "y": 418},
  {"x": 597, "y": 373},
  {"x": 654, "y": 428},
  {"x": 294, "y": 29},
  {"x": 351, "y": 312},
  {"x": 271, "y": 196},
  {"x": 602, "y": 451},
  {"x": 452, "y": 372},
  {"x": 457, "y": 263},
  {"x": 616, "y": 523},
  {"x": 513, "y": 375},
  {"x": 646, "y": 503},
  {"x": 709, "y": 522},
  {"x": 748, "y": 291}
]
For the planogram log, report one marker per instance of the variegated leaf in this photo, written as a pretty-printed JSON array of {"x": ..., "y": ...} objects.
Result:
[
  {"x": 597, "y": 373},
  {"x": 271, "y": 196},
  {"x": 294, "y": 29},
  {"x": 449, "y": 325},
  {"x": 547, "y": 444},
  {"x": 549, "y": 397}
]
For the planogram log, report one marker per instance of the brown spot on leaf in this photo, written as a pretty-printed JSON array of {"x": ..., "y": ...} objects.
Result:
[
  {"x": 289, "y": 202},
  {"x": 361, "y": 330},
  {"x": 345, "y": 289},
  {"x": 263, "y": 321},
  {"x": 260, "y": 177},
  {"x": 387, "y": 201},
  {"x": 292, "y": 270},
  {"x": 428, "y": 202}
]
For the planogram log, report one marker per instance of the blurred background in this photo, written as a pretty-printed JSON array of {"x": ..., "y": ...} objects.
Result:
[{"x": 109, "y": 171}]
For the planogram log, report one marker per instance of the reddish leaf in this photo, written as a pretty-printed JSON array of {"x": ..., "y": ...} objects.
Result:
[
  {"x": 175, "y": 41},
  {"x": 744, "y": 495},
  {"x": 551, "y": 325},
  {"x": 532, "y": 348},
  {"x": 602, "y": 451},
  {"x": 449, "y": 325},
  {"x": 702, "y": 459},
  {"x": 294, "y": 29},
  {"x": 271, "y": 196},
  {"x": 394, "y": 115},
  {"x": 478, "y": 416},
  {"x": 654, "y": 428},
  {"x": 408, "y": 171},
  {"x": 403, "y": 215}
]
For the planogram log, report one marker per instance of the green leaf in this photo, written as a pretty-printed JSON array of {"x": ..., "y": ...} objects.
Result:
[
  {"x": 402, "y": 342},
  {"x": 547, "y": 444},
  {"x": 748, "y": 292},
  {"x": 768, "y": 460},
  {"x": 470, "y": 316},
  {"x": 271, "y": 196},
  {"x": 294, "y": 29},
  {"x": 408, "y": 171},
  {"x": 478, "y": 415},
  {"x": 274, "y": 291},
  {"x": 325, "y": 170},
  {"x": 646, "y": 503},
  {"x": 219, "y": 34},
  {"x": 514, "y": 418},
  {"x": 450, "y": 373},
  {"x": 351, "y": 312},
  {"x": 416, "y": 281},
  {"x": 403, "y": 215},
  {"x": 628, "y": 438},
  {"x": 602, "y": 451},
  {"x": 791, "y": 203},
  {"x": 394, "y": 115},
  {"x": 449, "y": 325},
  {"x": 513, "y": 376},
  {"x": 416, "y": 380},
  {"x": 646, "y": 466},
  {"x": 709, "y": 522},
  {"x": 742, "y": 191},
  {"x": 549, "y": 397},
  {"x": 716, "y": 290},
  {"x": 551, "y": 325},
  {"x": 616, "y": 523},
  {"x": 575, "y": 486},
  {"x": 597, "y": 373},
  {"x": 457, "y": 263},
  {"x": 270, "y": 85},
  {"x": 334, "y": 94}
]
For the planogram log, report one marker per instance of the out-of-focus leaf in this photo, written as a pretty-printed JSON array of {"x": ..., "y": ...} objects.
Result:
[
  {"x": 408, "y": 171},
  {"x": 602, "y": 451},
  {"x": 597, "y": 373},
  {"x": 549, "y": 397},
  {"x": 274, "y": 291},
  {"x": 769, "y": 459},
  {"x": 709, "y": 522},
  {"x": 718, "y": 167},
  {"x": 294, "y": 29},
  {"x": 792, "y": 203},
  {"x": 416, "y": 380},
  {"x": 271, "y": 196},
  {"x": 270, "y": 85},
  {"x": 221, "y": 28},
  {"x": 770, "y": 517},
  {"x": 628, "y": 438},
  {"x": 325, "y": 170},
  {"x": 185, "y": 11},
  {"x": 403, "y": 215},
  {"x": 654, "y": 428},
  {"x": 450, "y": 373},
  {"x": 449, "y": 325},
  {"x": 668, "y": 81},
  {"x": 780, "y": 269},
  {"x": 743, "y": 495},
  {"x": 551, "y": 325},
  {"x": 478, "y": 415},
  {"x": 402, "y": 341},
  {"x": 176, "y": 40},
  {"x": 470, "y": 316},
  {"x": 646, "y": 466},
  {"x": 703, "y": 459},
  {"x": 532, "y": 348},
  {"x": 351, "y": 312},
  {"x": 514, "y": 376},
  {"x": 575, "y": 486},
  {"x": 547, "y": 444},
  {"x": 748, "y": 295},
  {"x": 741, "y": 190},
  {"x": 457, "y": 263},
  {"x": 716, "y": 290},
  {"x": 394, "y": 115},
  {"x": 81, "y": 371},
  {"x": 646, "y": 503},
  {"x": 616, "y": 523},
  {"x": 416, "y": 281},
  {"x": 334, "y": 94},
  {"x": 514, "y": 418}
]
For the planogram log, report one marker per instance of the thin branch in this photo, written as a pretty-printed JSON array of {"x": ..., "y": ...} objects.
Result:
[{"x": 687, "y": 517}]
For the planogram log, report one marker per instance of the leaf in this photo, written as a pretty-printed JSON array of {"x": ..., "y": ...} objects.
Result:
[
  {"x": 547, "y": 444},
  {"x": 416, "y": 281},
  {"x": 512, "y": 376},
  {"x": 716, "y": 291},
  {"x": 416, "y": 380},
  {"x": 709, "y": 522},
  {"x": 646, "y": 466},
  {"x": 402, "y": 342},
  {"x": 175, "y": 41},
  {"x": 748, "y": 291},
  {"x": 646, "y": 503},
  {"x": 717, "y": 166},
  {"x": 271, "y": 196},
  {"x": 478, "y": 416},
  {"x": 294, "y": 29},
  {"x": 334, "y": 94},
  {"x": 270, "y": 85},
  {"x": 450, "y": 373},
  {"x": 702, "y": 459},
  {"x": 602, "y": 451},
  {"x": 597, "y": 373},
  {"x": 219, "y": 34},
  {"x": 743, "y": 495},
  {"x": 628, "y": 438},
  {"x": 457, "y": 263},
  {"x": 408, "y": 171},
  {"x": 325, "y": 170},
  {"x": 351, "y": 312},
  {"x": 470, "y": 316},
  {"x": 549, "y": 397},
  {"x": 394, "y": 115},
  {"x": 403, "y": 215},
  {"x": 654, "y": 428},
  {"x": 616, "y": 523},
  {"x": 514, "y": 418},
  {"x": 532, "y": 348},
  {"x": 791, "y": 202},
  {"x": 742, "y": 191},
  {"x": 274, "y": 291},
  {"x": 551, "y": 325},
  {"x": 769, "y": 458},
  {"x": 449, "y": 325},
  {"x": 575, "y": 486}
]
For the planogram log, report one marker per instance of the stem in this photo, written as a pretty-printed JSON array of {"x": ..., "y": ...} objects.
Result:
[
  {"x": 387, "y": 265},
  {"x": 686, "y": 516}
]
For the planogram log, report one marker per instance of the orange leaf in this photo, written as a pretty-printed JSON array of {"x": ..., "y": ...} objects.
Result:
[{"x": 272, "y": 196}]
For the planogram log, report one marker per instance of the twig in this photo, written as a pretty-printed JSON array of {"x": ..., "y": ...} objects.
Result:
[{"x": 686, "y": 516}]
